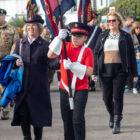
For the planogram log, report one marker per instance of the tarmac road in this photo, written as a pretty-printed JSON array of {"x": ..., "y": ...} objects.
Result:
[{"x": 96, "y": 120}]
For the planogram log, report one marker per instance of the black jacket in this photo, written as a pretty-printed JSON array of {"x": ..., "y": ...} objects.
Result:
[{"x": 126, "y": 50}]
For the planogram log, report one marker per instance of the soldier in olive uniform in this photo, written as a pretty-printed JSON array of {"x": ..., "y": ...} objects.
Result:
[{"x": 8, "y": 36}]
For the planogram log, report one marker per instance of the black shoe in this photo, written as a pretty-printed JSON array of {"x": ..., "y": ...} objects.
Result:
[
  {"x": 116, "y": 128},
  {"x": 111, "y": 122},
  {"x": 12, "y": 104},
  {"x": 93, "y": 89},
  {"x": 4, "y": 118},
  {"x": 27, "y": 138},
  {"x": 117, "y": 124}
]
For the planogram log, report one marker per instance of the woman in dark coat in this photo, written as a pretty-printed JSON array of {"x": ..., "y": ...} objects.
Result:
[
  {"x": 33, "y": 105},
  {"x": 114, "y": 59}
]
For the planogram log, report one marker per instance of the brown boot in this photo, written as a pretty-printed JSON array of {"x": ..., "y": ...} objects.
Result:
[{"x": 5, "y": 115}]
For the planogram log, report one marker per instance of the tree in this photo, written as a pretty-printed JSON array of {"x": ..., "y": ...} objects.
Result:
[
  {"x": 125, "y": 8},
  {"x": 17, "y": 21},
  {"x": 128, "y": 7}
]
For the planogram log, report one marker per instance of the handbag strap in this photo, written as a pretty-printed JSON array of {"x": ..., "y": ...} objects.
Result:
[{"x": 20, "y": 46}]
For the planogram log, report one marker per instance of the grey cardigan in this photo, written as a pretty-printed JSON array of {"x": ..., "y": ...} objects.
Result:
[{"x": 135, "y": 41}]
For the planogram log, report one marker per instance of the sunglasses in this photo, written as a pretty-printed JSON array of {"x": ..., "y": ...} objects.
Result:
[{"x": 113, "y": 20}]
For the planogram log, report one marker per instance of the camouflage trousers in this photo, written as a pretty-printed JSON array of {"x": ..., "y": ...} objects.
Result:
[{"x": 4, "y": 111}]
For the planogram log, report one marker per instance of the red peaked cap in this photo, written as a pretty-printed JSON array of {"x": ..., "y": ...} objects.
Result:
[{"x": 79, "y": 28}]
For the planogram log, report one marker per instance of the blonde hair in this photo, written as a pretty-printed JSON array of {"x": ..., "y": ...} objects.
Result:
[
  {"x": 134, "y": 25},
  {"x": 39, "y": 25},
  {"x": 119, "y": 18}
]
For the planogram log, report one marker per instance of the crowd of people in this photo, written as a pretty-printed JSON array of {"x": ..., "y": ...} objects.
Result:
[{"x": 108, "y": 54}]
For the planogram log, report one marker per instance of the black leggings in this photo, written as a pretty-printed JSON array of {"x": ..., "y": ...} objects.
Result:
[
  {"x": 26, "y": 129},
  {"x": 25, "y": 124},
  {"x": 113, "y": 89}
]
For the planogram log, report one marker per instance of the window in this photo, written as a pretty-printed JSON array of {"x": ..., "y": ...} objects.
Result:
[{"x": 101, "y": 2}]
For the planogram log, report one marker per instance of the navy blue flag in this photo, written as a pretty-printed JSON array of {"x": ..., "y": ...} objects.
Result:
[
  {"x": 32, "y": 8},
  {"x": 85, "y": 12},
  {"x": 51, "y": 10}
]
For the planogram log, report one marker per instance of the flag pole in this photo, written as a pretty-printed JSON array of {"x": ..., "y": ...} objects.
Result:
[{"x": 65, "y": 54}]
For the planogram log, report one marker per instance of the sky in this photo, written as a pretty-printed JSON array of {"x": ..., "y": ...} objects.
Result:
[{"x": 14, "y": 7}]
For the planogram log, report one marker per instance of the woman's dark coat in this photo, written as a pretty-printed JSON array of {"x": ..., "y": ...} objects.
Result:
[
  {"x": 126, "y": 49},
  {"x": 35, "y": 89}
]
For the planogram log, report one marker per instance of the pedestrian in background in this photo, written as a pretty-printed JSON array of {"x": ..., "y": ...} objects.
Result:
[
  {"x": 127, "y": 28},
  {"x": 135, "y": 34},
  {"x": 48, "y": 37},
  {"x": 80, "y": 68},
  {"x": 91, "y": 43},
  {"x": 114, "y": 59},
  {"x": 46, "y": 34},
  {"x": 33, "y": 104},
  {"x": 8, "y": 36},
  {"x": 103, "y": 26},
  {"x": 128, "y": 23}
]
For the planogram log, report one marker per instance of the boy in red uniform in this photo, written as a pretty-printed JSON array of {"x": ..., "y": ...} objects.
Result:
[{"x": 80, "y": 64}]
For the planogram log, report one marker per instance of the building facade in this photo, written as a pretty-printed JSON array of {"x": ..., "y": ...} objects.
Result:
[
  {"x": 20, "y": 8},
  {"x": 99, "y": 4},
  {"x": 103, "y": 3}
]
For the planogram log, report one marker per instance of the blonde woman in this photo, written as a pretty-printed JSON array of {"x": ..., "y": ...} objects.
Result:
[
  {"x": 135, "y": 34},
  {"x": 114, "y": 58}
]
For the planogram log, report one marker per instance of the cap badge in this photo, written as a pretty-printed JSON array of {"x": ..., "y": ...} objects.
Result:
[
  {"x": 76, "y": 25},
  {"x": 29, "y": 18}
]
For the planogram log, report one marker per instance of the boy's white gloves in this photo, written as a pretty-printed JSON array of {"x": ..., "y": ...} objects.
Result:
[
  {"x": 56, "y": 44},
  {"x": 76, "y": 68},
  {"x": 62, "y": 33}
]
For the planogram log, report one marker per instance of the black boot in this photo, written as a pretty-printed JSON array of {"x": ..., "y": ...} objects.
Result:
[
  {"x": 111, "y": 121},
  {"x": 26, "y": 132},
  {"x": 116, "y": 127},
  {"x": 38, "y": 133}
]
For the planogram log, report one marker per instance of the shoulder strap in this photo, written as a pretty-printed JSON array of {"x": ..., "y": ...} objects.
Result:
[
  {"x": 74, "y": 79},
  {"x": 20, "y": 47},
  {"x": 81, "y": 54}
]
